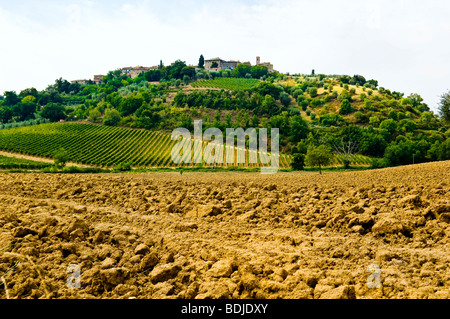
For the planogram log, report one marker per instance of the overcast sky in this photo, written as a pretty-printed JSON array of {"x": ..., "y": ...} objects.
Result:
[{"x": 404, "y": 44}]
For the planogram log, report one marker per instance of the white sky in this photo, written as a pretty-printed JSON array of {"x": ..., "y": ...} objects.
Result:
[{"x": 404, "y": 44}]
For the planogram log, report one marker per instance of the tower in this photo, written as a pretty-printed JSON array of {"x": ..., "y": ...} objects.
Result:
[{"x": 258, "y": 60}]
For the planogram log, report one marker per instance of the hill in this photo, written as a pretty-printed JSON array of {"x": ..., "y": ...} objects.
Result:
[{"x": 309, "y": 110}]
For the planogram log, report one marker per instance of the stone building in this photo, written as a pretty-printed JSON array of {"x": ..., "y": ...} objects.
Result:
[
  {"x": 98, "y": 78},
  {"x": 82, "y": 82},
  {"x": 221, "y": 64},
  {"x": 134, "y": 72},
  {"x": 230, "y": 65},
  {"x": 268, "y": 65}
]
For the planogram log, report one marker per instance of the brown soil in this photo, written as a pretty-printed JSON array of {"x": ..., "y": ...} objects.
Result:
[{"x": 227, "y": 235}]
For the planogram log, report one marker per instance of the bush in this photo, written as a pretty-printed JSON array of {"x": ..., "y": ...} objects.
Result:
[
  {"x": 122, "y": 167},
  {"x": 346, "y": 107},
  {"x": 298, "y": 162},
  {"x": 312, "y": 91},
  {"x": 112, "y": 117},
  {"x": 61, "y": 157},
  {"x": 376, "y": 163},
  {"x": 94, "y": 116},
  {"x": 285, "y": 99}
]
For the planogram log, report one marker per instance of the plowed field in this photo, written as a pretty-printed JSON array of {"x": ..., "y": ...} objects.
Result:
[{"x": 370, "y": 234}]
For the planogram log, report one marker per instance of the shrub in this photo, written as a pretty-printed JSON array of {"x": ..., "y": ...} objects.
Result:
[
  {"x": 312, "y": 91},
  {"x": 346, "y": 107},
  {"x": 122, "y": 167},
  {"x": 285, "y": 99},
  {"x": 298, "y": 162},
  {"x": 112, "y": 117},
  {"x": 376, "y": 163}
]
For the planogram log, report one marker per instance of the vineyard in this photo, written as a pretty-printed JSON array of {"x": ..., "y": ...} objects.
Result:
[
  {"x": 108, "y": 146},
  {"x": 235, "y": 84},
  {"x": 355, "y": 160}
]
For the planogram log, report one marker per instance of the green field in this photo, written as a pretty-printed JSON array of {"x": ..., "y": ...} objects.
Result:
[
  {"x": 227, "y": 83},
  {"x": 102, "y": 145}
]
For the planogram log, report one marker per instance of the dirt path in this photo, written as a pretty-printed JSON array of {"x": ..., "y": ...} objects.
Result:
[{"x": 39, "y": 159}]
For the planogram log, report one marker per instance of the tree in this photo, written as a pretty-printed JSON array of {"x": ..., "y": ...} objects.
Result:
[
  {"x": 298, "y": 161},
  {"x": 29, "y": 91},
  {"x": 312, "y": 91},
  {"x": 258, "y": 71},
  {"x": 372, "y": 144},
  {"x": 188, "y": 71},
  {"x": 201, "y": 61},
  {"x": 130, "y": 105},
  {"x": 268, "y": 106},
  {"x": 264, "y": 88},
  {"x": 228, "y": 120},
  {"x": 359, "y": 79},
  {"x": 318, "y": 156},
  {"x": 241, "y": 70},
  {"x": 61, "y": 157},
  {"x": 444, "y": 107},
  {"x": 346, "y": 147},
  {"x": 24, "y": 111},
  {"x": 346, "y": 107},
  {"x": 389, "y": 125},
  {"x": 298, "y": 128},
  {"x": 255, "y": 121},
  {"x": 285, "y": 99},
  {"x": 11, "y": 98},
  {"x": 373, "y": 82},
  {"x": 29, "y": 99},
  {"x": 214, "y": 65},
  {"x": 6, "y": 114},
  {"x": 62, "y": 85},
  {"x": 94, "y": 115},
  {"x": 112, "y": 117},
  {"x": 54, "y": 112},
  {"x": 175, "y": 70},
  {"x": 152, "y": 75}
]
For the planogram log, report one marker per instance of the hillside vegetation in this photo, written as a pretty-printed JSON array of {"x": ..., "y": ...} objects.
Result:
[{"x": 352, "y": 116}]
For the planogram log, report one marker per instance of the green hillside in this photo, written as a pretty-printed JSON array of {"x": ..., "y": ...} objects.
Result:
[{"x": 339, "y": 111}]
